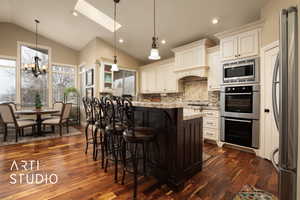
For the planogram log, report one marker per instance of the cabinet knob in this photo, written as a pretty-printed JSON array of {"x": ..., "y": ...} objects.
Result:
[{"x": 267, "y": 110}]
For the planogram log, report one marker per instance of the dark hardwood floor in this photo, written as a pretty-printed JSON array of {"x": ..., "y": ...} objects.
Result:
[{"x": 81, "y": 178}]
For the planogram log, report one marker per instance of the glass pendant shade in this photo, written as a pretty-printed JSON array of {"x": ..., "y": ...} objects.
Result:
[
  {"x": 154, "y": 54},
  {"x": 114, "y": 67}
]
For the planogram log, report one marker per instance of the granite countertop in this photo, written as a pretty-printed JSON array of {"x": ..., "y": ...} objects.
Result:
[
  {"x": 192, "y": 116},
  {"x": 211, "y": 108},
  {"x": 157, "y": 104}
]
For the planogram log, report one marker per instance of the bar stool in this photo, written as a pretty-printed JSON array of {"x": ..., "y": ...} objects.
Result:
[
  {"x": 99, "y": 141},
  {"x": 133, "y": 138},
  {"x": 113, "y": 132},
  {"x": 90, "y": 121}
]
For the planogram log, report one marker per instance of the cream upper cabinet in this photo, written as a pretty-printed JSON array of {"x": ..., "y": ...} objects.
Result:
[
  {"x": 248, "y": 44},
  {"x": 215, "y": 69},
  {"x": 158, "y": 78},
  {"x": 229, "y": 48},
  {"x": 239, "y": 46},
  {"x": 167, "y": 78},
  {"x": 143, "y": 77},
  {"x": 148, "y": 80},
  {"x": 193, "y": 54}
]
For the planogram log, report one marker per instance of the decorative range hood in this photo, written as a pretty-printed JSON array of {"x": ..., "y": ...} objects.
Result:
[{"x": 191, "y": 59}]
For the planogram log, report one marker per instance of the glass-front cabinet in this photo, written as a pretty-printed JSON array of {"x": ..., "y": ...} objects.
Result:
[
  {"x": 122, "y": 82},
  {"x": 106, "y": 78}
]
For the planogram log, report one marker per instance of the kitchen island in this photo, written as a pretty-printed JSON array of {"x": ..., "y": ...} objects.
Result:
[{"x": 180, "y": 138}]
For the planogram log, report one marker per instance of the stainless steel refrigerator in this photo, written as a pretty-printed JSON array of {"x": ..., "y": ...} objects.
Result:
[{"x": 285, "y": 104}]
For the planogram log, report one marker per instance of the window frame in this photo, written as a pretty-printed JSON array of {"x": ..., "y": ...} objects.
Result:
[
  {"x": 64, "y": 65},
  {"x": 19, "y": 70},
  {"x": 4, "y": 57}
]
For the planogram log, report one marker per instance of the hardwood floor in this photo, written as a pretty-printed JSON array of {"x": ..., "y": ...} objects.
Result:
[{"x": 81, "y": 178}]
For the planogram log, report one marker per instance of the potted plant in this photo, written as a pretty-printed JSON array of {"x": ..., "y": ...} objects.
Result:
[
  {"x": 68, "y": 91},
  {"x": 38, "y": 102}
]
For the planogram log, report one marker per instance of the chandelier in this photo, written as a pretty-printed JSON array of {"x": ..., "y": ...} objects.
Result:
[{"x": 35, "y": 67}]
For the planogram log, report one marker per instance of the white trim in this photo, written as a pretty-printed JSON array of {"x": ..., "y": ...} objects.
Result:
[
  {"x": 253, "y": 25},
  {"x": 8, "y": 57},
  {"x": 262, "y": 150},
  {"x": 63, "y": 65}
]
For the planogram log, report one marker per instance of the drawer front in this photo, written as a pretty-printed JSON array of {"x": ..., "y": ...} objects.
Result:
[
  {"x": 211, "y": 113},
  {"x": 211, "y": 122},
  {"x": 210, "y": 133}
]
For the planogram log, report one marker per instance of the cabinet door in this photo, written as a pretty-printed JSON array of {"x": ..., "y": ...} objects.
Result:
[
  {"x": 248, "y": 44},
  {"x": 215, "y": 71},
  {"x": 169, "y": 78},
  {"x": 151, "y": 80},
  {"x": 270, "y": 132},
  {"x": 229, "y": 48},
  {"x": 144, "y": 86}
]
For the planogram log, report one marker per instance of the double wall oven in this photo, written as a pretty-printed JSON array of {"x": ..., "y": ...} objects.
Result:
[{"x": 240, "y": 103}]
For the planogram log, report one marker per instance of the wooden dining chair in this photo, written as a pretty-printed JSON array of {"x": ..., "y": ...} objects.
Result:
[
  {"x": 58, "y": 105},
  {"x": 63, "y": 119},
  {"x": 9, "y": 119}
]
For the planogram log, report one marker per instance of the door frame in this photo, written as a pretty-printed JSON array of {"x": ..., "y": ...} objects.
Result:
[{"x": 264, "y": 50}]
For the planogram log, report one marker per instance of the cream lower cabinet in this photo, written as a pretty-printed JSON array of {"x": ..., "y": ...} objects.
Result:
[
  {"x": 215, "y": 69},
  {"x": 158, "y": 78},
  {"x": 211, "y": 125}
]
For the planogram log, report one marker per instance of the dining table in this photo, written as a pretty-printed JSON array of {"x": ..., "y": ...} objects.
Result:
[{"x": 38, "y": 113}]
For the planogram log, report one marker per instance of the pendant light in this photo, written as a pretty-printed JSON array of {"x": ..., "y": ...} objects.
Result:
[
  {"x": 35, "y": 67},
  {"x": 154, "y": 54},
  {"x": 115, "y": 65}
]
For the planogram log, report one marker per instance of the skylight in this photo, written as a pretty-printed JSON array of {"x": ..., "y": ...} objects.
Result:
[{"x": 96, "y": 15}]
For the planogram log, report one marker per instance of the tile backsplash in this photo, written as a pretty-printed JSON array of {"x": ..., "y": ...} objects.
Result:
[{"x": 213, "y": 97}]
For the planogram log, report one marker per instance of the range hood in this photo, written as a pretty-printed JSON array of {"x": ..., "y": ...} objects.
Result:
[
  {"x": 196, "y": 71},
  {"x": 191, "y": 59}
]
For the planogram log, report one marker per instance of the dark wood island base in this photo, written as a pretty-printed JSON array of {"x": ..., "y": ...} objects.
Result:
[{"x": 180, "y": 141}]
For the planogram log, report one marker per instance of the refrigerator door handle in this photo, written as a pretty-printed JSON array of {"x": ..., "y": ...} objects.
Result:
[
  {"x": 273, "y": 159},
  {"x": 274, "y": 93}
]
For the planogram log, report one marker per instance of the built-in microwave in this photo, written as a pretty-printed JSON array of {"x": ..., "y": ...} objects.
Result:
[{"x": 241, "y": 71}]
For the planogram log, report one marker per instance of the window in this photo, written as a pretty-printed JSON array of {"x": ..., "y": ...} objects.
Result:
[
  {"x": 124, "y": 82},
  {"x": 31, "y": 85},
  {"x": 62, "y": 77},
  {"x": 7, "y": 80}
]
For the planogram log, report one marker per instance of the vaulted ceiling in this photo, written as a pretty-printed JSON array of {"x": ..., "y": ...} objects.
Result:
[{"x": 179, "y": 21}]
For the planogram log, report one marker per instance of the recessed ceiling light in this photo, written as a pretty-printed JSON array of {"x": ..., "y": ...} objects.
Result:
[
  {"x": 96, "y": 15},
  {"x": 215, "y": 21},
  {"x": 163, "y": 41},
  {"x": 121, "y": 40},
  {"x": 74, "y": 13}
]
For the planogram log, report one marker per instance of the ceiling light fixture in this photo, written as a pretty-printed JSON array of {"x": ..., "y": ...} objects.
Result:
[
  {"x": 154, "y": 54},
  {"x": 35, "y": 67},
  {"x": 74, "y": 13},
  {"x": 163, "y": 42},
  {"x": 121, "y": 40},
  {"x": 85, "y": 8},
  {"x": 115, "y": 65},
  {"x": 215, "y": 21}
]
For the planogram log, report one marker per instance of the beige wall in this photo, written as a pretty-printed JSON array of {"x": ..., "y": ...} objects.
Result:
[
  {"x": 97, "y": 49},
  {"x": 11, "y": 33},
  {"x": 270, "y": 13}
]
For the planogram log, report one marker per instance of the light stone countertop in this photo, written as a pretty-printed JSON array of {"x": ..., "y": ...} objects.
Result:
[
  {"x": 157, "y": 104},
  {"x": 192, "y": 116}
]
